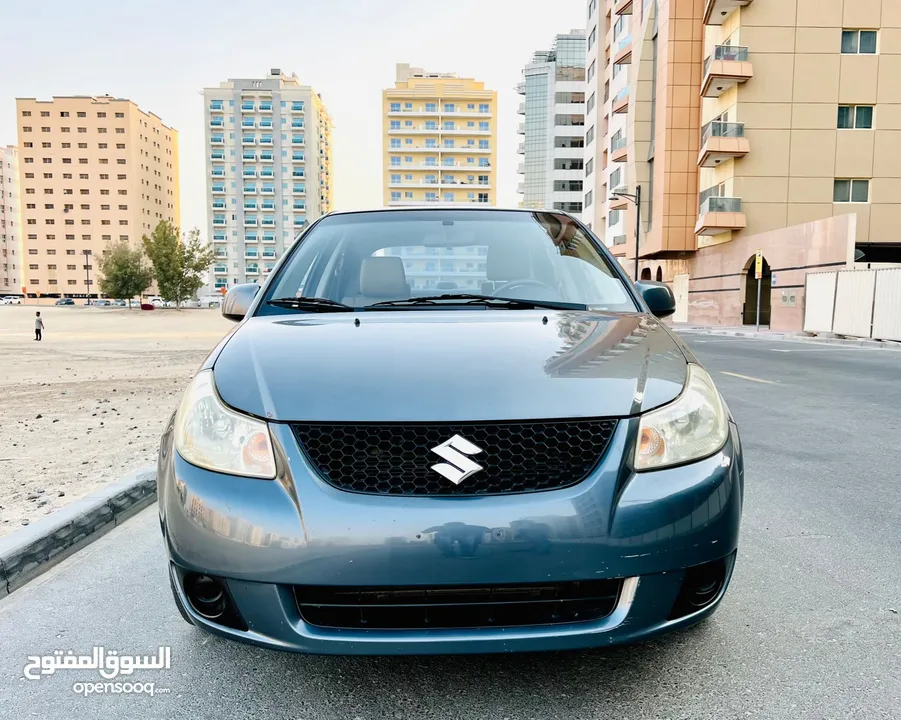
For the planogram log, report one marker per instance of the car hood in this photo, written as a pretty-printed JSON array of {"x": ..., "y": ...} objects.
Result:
[{"x": 452, "y": 366}]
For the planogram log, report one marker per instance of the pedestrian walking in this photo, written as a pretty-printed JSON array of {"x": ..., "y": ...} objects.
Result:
[{"x": 38, "y": 325}]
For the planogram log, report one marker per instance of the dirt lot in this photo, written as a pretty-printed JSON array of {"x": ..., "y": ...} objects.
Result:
[{"x": 87, "y": 404}]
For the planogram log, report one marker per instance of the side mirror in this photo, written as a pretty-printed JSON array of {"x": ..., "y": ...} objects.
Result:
[
  {"x": 658, "y": 297},
  {"x": 238, "y": 300}
]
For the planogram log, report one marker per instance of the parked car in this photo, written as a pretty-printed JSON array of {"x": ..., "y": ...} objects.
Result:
[
  {"x": 156, "y": 301},
  {"x": 529, "y": 461},
  {"x": 101, "y": 302},
  {"x": 12, "y": 300},
  {"x": 120, "y": 303},
  {"x": 65, "y": 301}
]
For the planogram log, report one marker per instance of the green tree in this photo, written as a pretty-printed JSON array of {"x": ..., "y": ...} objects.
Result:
[
  {"x": 178, "y": 263},
  {"x": 124, "y": 271}
]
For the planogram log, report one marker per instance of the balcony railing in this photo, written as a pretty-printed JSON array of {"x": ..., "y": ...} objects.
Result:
[
  {"x": 722, "y": 129},
  {"x": 729, "y": 53},
  {"x": 718, "y": 204},
  {"x": 618, "y": 143},
  {"x": 619, "y": 239}
]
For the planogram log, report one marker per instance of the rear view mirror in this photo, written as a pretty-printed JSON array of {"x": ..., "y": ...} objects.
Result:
[
  {"x": 658, "y": 297},
  {"x": 238, "y": 300}
]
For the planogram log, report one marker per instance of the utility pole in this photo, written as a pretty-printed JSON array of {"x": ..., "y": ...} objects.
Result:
[{"x": 635, "y": 200}]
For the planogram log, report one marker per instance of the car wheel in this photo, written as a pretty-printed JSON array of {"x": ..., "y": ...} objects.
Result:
[{"x": 178, "y": 603}]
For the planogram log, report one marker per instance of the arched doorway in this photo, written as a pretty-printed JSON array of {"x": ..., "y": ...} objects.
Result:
[
  {"x": 646, "y": 274},
  {"x": 659, "y": 274},
  {"x": 749, "y": 313}
]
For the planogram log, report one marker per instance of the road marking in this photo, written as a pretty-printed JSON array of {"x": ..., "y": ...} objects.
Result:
[{"x": 748, "y": 377}]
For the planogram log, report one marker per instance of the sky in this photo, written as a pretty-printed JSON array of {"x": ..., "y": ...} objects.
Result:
[{"x": 162, "y": 53}]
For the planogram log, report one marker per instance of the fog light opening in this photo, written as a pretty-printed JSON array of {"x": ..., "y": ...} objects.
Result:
[
  {"x": 207, "y": 596},
  {"x": 701, "y": 585}
]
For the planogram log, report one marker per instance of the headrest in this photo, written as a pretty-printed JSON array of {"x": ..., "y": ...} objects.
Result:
[
  {"x": 508, "y": 261},
  {"x": 383, "y": 277}
]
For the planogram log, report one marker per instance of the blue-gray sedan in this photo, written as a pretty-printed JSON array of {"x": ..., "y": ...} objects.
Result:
[{"x": 449, "y": 431}]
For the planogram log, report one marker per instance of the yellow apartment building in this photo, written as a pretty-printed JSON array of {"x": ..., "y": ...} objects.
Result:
[
  {"x": 771, "y": 125},
  {"x": 92, "y": 171},
  {"x": 439, "y": 140}
]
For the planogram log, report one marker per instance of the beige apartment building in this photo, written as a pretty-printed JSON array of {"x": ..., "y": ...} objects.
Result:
[
  {"x": 92, "y": 171},
  {"x": 771, "y": 125},
  {"x": 439, "y": 140},
  {"x": 10, "y": 222}
]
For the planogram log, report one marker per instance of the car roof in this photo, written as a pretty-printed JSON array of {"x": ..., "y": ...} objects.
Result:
[{"x": 443, "y": 208}]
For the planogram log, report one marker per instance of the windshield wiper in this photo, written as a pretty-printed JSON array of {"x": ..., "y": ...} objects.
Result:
[
  {"x": 311, "y": 304},
  {"x": 475, "y": 299}
]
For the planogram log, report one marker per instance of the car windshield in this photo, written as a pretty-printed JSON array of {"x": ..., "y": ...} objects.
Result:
[{"x": 366, "y": 259}]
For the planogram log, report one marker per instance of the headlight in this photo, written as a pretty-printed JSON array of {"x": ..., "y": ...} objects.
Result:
[
  {"x": 692, "y": 427},
  {"x": 212, "y": 436}
]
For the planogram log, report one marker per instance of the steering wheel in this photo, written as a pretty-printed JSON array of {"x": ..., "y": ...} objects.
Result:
[{"x": 523, "y": 283}]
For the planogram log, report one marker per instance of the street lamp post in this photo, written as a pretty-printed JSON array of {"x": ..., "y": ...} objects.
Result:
[
  {"x": 636, "y": 200},
  {"x": 87, "y": 272}
]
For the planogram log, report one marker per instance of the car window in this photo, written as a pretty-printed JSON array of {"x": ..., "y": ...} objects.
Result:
[{"x": 360, "y": 259}]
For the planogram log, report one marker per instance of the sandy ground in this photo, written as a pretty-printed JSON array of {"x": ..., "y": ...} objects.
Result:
[{"x": 88, "y": 404}]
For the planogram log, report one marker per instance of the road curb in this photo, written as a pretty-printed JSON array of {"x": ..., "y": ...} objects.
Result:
[
  {"x": 777, "y": 337},
  {"x": 36, "y": 548}
]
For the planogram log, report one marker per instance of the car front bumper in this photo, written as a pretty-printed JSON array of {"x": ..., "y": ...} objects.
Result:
[{"x": 263, "y": 538}]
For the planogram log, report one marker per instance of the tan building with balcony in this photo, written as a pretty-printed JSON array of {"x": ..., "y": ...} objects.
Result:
[
  {"x": 92, "y": 171},
  {"x": 440, "y": 140},
  {"x": 770, "y": 125}
]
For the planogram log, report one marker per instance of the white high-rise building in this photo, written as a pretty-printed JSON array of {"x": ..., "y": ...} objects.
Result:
[
  {"x": 268, "y": 160},
  {"x": 606, "y": 121},
  {"x": 10, "y": 222},
  {"x": 553, "y": 90}
]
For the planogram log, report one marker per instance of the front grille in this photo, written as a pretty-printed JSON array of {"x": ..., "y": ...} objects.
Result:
[
  {"x": 413, "y": 608},
  {"x": 397, "y": 459}
]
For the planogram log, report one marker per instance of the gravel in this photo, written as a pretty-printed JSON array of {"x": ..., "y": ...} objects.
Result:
[{"x": 57, "y": 391}]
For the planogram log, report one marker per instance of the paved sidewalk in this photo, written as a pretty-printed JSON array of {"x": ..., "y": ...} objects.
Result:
[{"x": 750, "y": 331}]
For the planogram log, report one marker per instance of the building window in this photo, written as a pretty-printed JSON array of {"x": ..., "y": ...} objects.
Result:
[
  {"x": 615, "y": 216},
  {"x": 589, "y": 168},
  {"x": 591, "y": 103},
  {"x": 589, "y": 136},
  {"x": 394, "y": 107},
  {"x": 591, "y": 70},
  {"x": 592, "y": 38},
  {"x": 854, "y": 191},
  {"x": 858, "y": 42},
  {"x": 855, "y": 117}
]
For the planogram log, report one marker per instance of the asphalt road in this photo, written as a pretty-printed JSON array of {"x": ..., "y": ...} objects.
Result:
[{"x": 810, "y": 628}]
